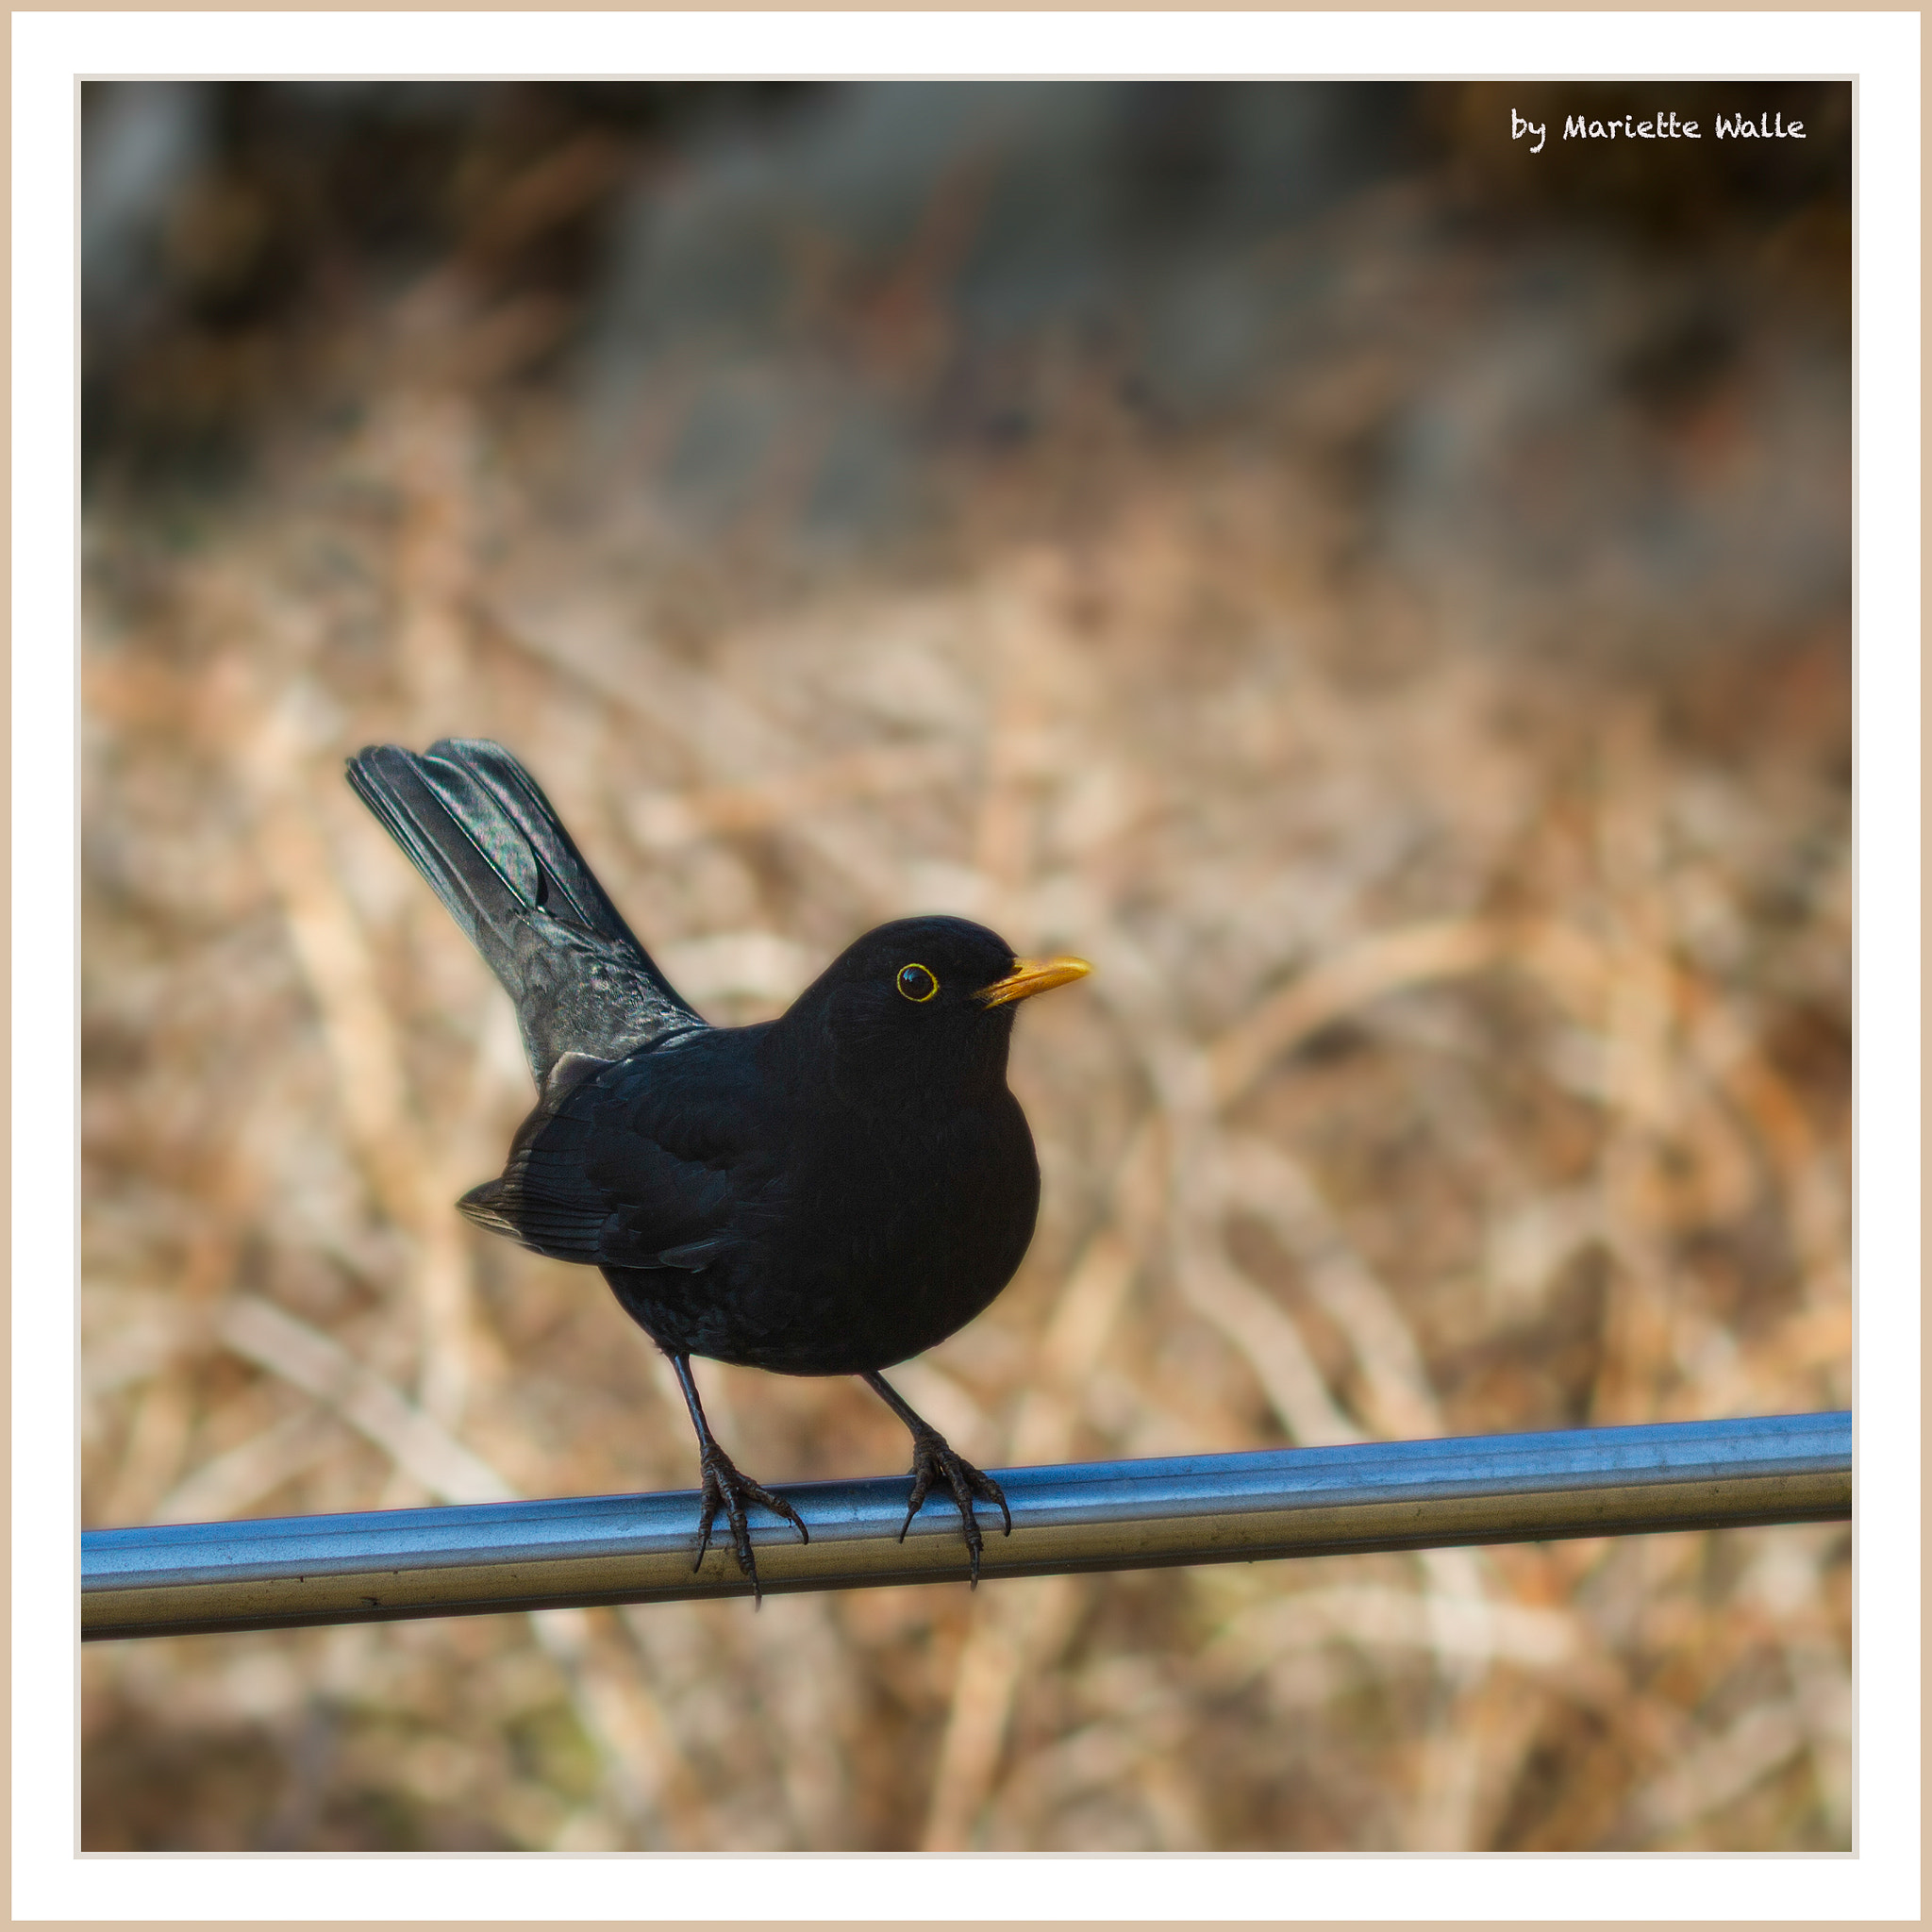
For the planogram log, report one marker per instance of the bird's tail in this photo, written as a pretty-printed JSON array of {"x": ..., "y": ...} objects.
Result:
[{"x": 479, "y": 829}]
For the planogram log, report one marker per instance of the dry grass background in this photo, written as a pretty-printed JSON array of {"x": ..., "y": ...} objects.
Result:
[{"x": 1468, "y": 1052}]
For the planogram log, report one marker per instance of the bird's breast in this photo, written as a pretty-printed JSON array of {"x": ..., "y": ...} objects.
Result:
[{"x": 901, "y": 1230}]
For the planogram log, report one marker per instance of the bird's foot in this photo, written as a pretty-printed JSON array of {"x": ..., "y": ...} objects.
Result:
[
  {"x": 727, "y": 1488},
  {"x": 935, "y": 1459}
]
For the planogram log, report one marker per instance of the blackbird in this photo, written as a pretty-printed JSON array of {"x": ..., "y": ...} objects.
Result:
[{"x": 826, "y": 1193}]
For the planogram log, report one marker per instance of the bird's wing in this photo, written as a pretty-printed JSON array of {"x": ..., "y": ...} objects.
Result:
[
  {"x": 481, "y": 831},
  {"x": 643, "y": 1164}
]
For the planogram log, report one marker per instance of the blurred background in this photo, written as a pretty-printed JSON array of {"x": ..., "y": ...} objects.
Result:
[{"x": 1382, "y": 596}]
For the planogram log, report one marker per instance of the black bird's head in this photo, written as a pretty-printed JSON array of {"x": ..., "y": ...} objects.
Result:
[{"x": 921, "y": 1006}]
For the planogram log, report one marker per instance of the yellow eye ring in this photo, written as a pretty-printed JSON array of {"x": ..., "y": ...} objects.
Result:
[{"x": 917, "y": 983}]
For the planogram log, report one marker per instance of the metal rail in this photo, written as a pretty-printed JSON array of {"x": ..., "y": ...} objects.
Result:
[{"x": 465, "y": 1561}]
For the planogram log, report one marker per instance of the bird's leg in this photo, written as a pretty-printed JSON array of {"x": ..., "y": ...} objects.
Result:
[
  {"x": 932, "y": 1456},
  {"x": 729, "y": 1488}
]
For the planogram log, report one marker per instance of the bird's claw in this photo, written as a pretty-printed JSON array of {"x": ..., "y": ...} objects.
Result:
[
  {"x": 933, "y": 1456},
  {"x": 727, "y": 1488}
]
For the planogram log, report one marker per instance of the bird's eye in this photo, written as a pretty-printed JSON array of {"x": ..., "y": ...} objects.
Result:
[{"x": 917, "y": 983}]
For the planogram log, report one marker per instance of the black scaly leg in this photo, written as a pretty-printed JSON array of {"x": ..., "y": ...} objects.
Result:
[
  {"x": 727, "y": 1488},
  {"x": 932, "y": 1456}
]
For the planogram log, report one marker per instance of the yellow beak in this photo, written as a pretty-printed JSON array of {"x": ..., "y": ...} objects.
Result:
[{"x": 1030, "y": 977}]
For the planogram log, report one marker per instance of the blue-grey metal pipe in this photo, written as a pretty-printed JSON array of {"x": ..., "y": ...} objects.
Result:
[{"x": 463, "y": 1560}]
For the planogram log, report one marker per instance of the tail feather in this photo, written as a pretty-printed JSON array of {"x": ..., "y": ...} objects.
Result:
[
  {"x": 476, "y": 826},
  {"x": 542, "y": 838},
  {"x": 429, "y": 816}
]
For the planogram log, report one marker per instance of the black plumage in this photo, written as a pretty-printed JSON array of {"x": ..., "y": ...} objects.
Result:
[{"x": 822, "y": 1194}]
